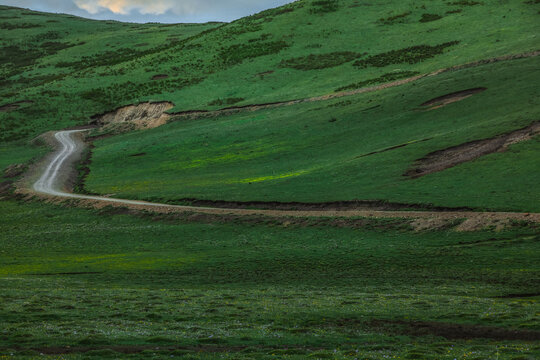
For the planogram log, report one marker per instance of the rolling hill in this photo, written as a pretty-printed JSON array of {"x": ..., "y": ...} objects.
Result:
[
  {"x": 302, "y": 50},
  {"x": 384, "y": 106}
]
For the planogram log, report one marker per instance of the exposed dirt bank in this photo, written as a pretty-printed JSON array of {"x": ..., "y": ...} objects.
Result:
[
  {"x": 447, "y": 158},
  {"x": 141, "y": 116},
  {"x": 451, "y": 98},
  {"x": 14, "y": 170},
  {"x": 378, "y": 205}
]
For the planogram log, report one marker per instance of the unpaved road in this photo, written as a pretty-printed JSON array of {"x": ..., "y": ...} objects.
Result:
[{"x": 50, "y": 184}]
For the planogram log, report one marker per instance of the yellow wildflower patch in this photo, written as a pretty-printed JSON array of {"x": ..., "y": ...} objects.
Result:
[{"x": 271, "y": 177}]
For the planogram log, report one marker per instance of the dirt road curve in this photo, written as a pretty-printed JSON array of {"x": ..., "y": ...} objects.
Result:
[{"x": 50, "y": 184}]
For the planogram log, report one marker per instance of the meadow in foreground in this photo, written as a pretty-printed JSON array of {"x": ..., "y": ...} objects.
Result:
[{"x": 79, "y": 283}]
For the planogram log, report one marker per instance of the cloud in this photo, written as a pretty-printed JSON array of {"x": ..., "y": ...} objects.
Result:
[
  {"x": 125, "y": 7},
  {"x": 152, "y": 10}
]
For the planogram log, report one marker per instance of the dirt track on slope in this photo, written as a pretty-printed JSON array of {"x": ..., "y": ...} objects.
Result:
[
  {"x": 53, "y": 186},
  {"x": 444, "y": 100}
]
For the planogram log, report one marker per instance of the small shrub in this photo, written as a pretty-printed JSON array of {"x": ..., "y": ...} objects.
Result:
[
  {"x": 324, "y": 6},
  {"x": 381, "y": 79},
  {"x": 430, "y": 17},
  {"x": 394, "y": 19},
  {"x": 263, "y": 37},
  {"x": 229, "y": 101},
  {"x": 320, "y": 61},
  {"x": 466, "y": 3},
  {"x": 411, "y": 55}
]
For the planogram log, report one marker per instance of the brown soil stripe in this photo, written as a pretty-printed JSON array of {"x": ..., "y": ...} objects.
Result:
[{"x": 447, "y": 158}]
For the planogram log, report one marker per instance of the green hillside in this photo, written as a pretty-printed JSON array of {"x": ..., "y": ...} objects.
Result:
[
  {"x": 310, "y": 152},
  {"x": 344, "y": 149},
  {"x": 412, "y": 104},
  {"x": 309, "y": 48}
]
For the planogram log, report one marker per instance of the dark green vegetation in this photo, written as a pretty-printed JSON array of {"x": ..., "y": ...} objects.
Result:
[
  {"x": 97, "y": 281},
  {"x": 381, "y": 79},
  {"x": 112, "y": 283},
  {"x": 320, "y": 61},
  {"x": 410, "y": 55}
]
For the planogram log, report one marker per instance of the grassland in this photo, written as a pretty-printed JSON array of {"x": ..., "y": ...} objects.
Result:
[
  {"x": 107, "y": 283},
  {"x": 61, "y": 64},
  {"x": 78, "y": 283},
  {"x": 327, "y": 151},
  {"x": 292, "y": 154}
]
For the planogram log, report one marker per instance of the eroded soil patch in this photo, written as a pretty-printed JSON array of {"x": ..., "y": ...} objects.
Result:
[
  {"x": 14, "y": 170},
  {"x": 132, "y": 117},
  {"x": 444, "y": 100},
  {"x": 450, "y": 157}
]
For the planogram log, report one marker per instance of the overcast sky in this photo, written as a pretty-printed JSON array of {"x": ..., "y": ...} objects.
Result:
[{"x": 168, "y": 11}]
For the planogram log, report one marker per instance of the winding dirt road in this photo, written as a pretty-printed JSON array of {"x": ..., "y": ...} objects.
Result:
[{"x": 50, "y": 184}]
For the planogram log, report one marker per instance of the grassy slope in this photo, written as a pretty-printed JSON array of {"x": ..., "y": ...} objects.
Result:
[
  {"x": 313, "y": 288},
  {"x": 53, "y": 59},
  {"x": 283, "y": 292},
  {"x": 313, "y": 152},
  {"x": 114, "y": 64},
  {"x": 227, "y": 56}
]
